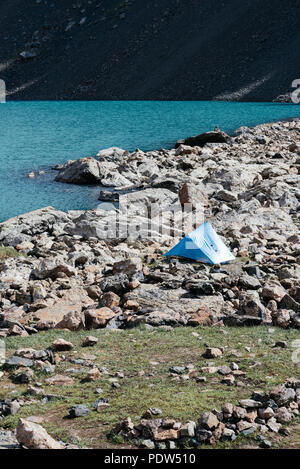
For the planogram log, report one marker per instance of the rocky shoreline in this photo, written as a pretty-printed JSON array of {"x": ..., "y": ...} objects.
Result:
[{"x": 103, "y": 268}]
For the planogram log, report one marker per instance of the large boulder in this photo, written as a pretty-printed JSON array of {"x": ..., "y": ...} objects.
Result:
[
  {"x": 82, "y": 171},
  {"x": 259, "y": 218},
  {"x": 216, "y": 136},
  {"x": 34, "y": 436},
  {"x": 106, "y": 225},
  {"x": 73, "y": 321},
  {"x": 49, "y": 316},
  {"x": 162, "y": 318},
  {"x": 111, "y": 154},
  {"x": 152, "y": 298},
  {"x": 98, "y": 318}
]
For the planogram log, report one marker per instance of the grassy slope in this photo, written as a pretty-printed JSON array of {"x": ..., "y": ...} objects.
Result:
[{"x": 133, "y": 351}]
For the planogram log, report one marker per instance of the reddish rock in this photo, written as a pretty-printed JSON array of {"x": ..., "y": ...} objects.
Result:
[
  {"x": 89, "y": 341},
  {"x": 61, "y": 345},
  {"x": 134, "y": 284},
  {"x": 213, "y": 352},
  {"x": 73, "y": 321},
  {"x": 128, "y": 266},
  {"x": 202, "y": 317},
  {"x": 132, "y": 305},
  {"x": 93, "y": 375},
  {"x": 166, "y": 434},
  {"x": 97, "y": 318},
  {"x": 273, "y": 292},
  {"x": 51, "y": 314},
  {"x": 110, "y": 300}
]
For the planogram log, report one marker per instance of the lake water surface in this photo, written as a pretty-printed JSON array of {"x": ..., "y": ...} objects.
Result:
[{"x": 37, "y": 135}]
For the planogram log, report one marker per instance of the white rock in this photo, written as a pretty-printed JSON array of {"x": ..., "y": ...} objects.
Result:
[{"x": 34, "y": 436}]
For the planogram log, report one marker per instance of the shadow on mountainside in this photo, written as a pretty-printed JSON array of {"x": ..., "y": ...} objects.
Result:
[{"x": 167, "y": 49}]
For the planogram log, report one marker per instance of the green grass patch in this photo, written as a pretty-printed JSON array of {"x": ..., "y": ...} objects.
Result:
[
  {"x": 7, "y": 252},
  {"x": 153, "y": 353}
]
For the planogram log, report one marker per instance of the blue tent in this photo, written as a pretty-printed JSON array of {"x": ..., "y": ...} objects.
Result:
[{"x": 202, "y": 245}]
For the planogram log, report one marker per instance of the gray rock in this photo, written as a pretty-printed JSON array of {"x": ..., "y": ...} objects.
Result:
[
  {"x": 250, "y": 304},
  {"x": 175, "y": 302},
  {"x": 111, "y": 154},
  {"x": 78, "y": 410},
  {"x": 115, "y": 283},
  {"x": 15, "y": 362},
  {"x": 53, "y": 267},
  {"x": 149, "y": 202},
  {"x": 250, "y": 403},
  {"x": 21, "y": 228},
  {"x": 109, "y": 196},
  {"x": 273, "y": 425},
  {"x": 8, "y": 440},
  {"x": 249, "y": 282},
  {"x": 282, "y": 395},
  {"x": 224, "y": 370},
  {"x": 147, "y": 444},
  {"x": 178, "y": 370},
  {"x": 226, "y": 196},
  {"x": 82, "y": 171},
  {"x": 228, "y": 434}
]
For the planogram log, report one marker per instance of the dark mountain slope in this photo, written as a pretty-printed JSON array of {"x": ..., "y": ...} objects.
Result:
[{"x": 147, "y": 49}]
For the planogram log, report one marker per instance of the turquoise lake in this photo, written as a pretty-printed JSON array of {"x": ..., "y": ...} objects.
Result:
[{"x": 37, "y": 135}]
